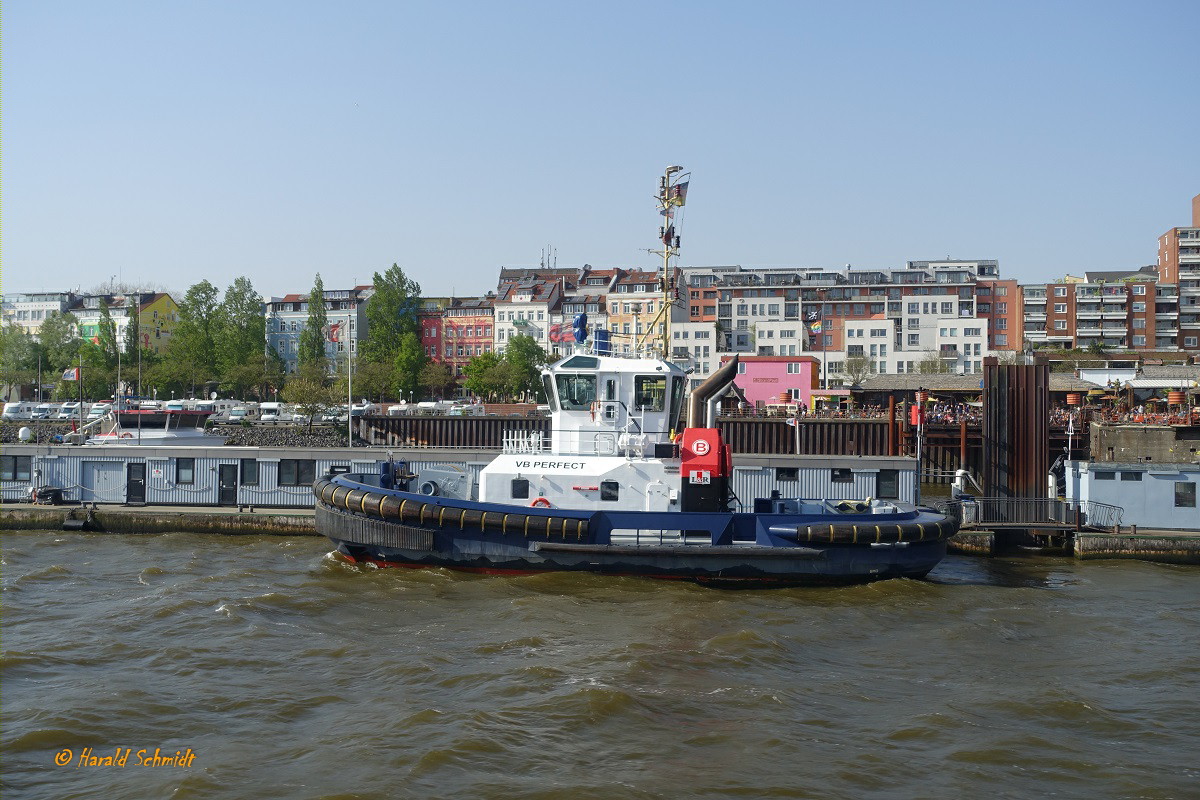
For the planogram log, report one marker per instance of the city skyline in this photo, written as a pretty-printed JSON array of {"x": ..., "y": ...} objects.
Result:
[{"x": 169, "y": 144}]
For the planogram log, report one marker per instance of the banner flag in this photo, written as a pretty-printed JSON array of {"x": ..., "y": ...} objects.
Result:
[
  {"x": 679, "y": 193},
  {"x": 71, "y": 374},
  {"x": 815, "y": 327}
]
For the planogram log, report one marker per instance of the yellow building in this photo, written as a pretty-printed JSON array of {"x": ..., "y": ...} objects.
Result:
[{"x": 157, "y": 315}]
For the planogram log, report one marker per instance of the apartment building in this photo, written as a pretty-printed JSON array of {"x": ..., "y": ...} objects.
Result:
[
  {"x": 156, "y": 313},
  {"x": 467, "y": 325},
  {"x": 346, "y": 315},
  {"x": 956, "y": 309},
  {"x": 1179, "y": 264},
  {"x": 635, "y": 310},
  {"x": 523, "y": 307},
  {"x": 429, "y": 325},
  {"x": 1125, "y": 310},
  {"x": 28, "y": 310}
]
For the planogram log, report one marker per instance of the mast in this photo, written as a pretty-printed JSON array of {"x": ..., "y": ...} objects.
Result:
[{"x": 672, "y": 194}]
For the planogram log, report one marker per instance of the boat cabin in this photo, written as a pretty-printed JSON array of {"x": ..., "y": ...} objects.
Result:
[{"x": 603, "y": 405}]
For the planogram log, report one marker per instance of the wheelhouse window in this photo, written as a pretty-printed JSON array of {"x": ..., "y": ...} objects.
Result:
[
  {"x": 185, "y": 470},
  {"x": 520, "y": 488},
  {"x": 548, "y": 387},
  {"x": 887, "y": 484},
  {"x": 15, "y": 468},
  {"x": 787, "y": 473},
  {"x": 297, "y": 472},
  {"x": 841, "y": 476},
  {"x": 576, "y": 392},
  {"x": 678, "y": 387},
  {"x": 249, "y": 472},
  {"x": 650, "y": 393}
]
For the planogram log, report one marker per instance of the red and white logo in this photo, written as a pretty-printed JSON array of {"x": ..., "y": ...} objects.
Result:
[{"x": 700, "y": 447}]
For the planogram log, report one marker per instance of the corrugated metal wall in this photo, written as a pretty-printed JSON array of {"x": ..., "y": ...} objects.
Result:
[{"x": 95, "y": 475}]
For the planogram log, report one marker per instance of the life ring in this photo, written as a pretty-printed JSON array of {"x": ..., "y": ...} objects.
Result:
[
  {"x": 127, "y": 435},
  {"x": 540, "y": 502}
]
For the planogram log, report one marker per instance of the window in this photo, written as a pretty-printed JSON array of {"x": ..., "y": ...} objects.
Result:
[
  {"x": 520, "y": 489},
  {"x": 1106, "y": 476},
  {"x": 787, "y": 473},
  {"x": 1060, "y": 324},
  {"x": 1140, "y": 289},
  {"x": 793, "y": 369},
  {"x": 841, "y": 476},
  {"x": 610, "y": 490},
  {"x": 297, "y": 472},
  {"x": 576, "y": 392},
  {"x": 185, "y": 470},
  {"x": 1060, "y": 291},
  {"x": 1189, "y": 341},
  {"x": 1131, "y": 476},
  {"x": 650, "y": 393},
  {"x": 887, "y": 484},
  {"x": 15, "y": 468},
  {"x": 249, "y": 472},
  {"x": 1060, "y": 308},
  {"x": 1139, "y": 308},
  {"x": 1002, "y": 340},
  {"x": 1185, "y": 494}
]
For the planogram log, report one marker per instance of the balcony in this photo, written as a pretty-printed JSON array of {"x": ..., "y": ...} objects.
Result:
[
  {"x": 948, "y": 351},
  {"x": 1035, "y": 316},
  {"x": 1113, "y": 298},
  {"x": 1035, "y": 298},
  {"x": 1089, "y": 311}
]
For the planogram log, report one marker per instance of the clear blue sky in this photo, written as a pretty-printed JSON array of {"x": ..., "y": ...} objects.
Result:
[{"x": 173, "y": 141}]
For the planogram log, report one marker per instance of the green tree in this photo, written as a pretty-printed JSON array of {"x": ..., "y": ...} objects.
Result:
[
  {"x": 371, "y": 379},
  {"x": 489, "y": 376},
  {"x": 437, "y": 379},
  {"x": 18, "y": 358},
  {"x": 60, "y": 340},
  {"x": 241, "y": 345},
  {"x": 410, "y": 359},
  {"x": 525, "y": 358},
  {"x": 308, "y": 393},
  {"x": 856, "y": 369},
  {"x": 391, "y": 313},
  {"x": 311, "y": 349},
  {"x": 931, "y": 364},
  {"x": 192, "y": 351},
  {"x": 107, "y": 334},
  {"x": 133, "y": 335}
]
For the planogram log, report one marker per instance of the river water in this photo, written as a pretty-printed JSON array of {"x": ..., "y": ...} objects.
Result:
[{"x": 291, "y": 675}]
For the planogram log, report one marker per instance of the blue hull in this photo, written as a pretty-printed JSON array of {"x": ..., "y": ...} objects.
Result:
[{"x": 393, "y": 528}]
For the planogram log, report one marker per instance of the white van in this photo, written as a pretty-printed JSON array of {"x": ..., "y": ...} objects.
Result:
[
  {"x": 45, "y": 411},
  {"x": 19, "y": 410},
  {"x": 98, "y": 410},
  {"x": 69, "y": 411},
  {"x": 238, "y": 414},
  {"x": 270, "y": 412}
]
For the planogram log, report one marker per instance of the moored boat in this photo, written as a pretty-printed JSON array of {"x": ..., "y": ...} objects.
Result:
[{"x": 615, "y": 489}]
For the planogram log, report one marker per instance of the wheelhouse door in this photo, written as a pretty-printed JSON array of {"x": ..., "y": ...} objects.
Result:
[{"x": 227, "y": 478}]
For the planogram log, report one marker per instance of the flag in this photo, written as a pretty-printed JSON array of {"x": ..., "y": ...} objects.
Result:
[
  {"x": 71, "y": 374},
  {"x": 679, "y": 193},
  {"x": 814, "y": 314},
  {"x": 335, "y": 332},
  {"x": 555, "y": 333},
  {"x": 815, "y": 327}
]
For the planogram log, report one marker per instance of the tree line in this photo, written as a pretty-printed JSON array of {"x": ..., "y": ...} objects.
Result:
[{"x": 219, "y": 344}]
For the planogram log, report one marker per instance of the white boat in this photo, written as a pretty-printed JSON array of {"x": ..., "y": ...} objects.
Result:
[{"x": 156, "y": 428}]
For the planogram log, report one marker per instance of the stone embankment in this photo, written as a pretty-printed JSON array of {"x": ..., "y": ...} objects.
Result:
[
  {"x": 44, "y": 431},
  {"x": 284, "y": 436}
]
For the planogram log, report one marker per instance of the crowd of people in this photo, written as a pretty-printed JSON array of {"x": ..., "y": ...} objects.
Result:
[{"x": 1061, "y": 416}]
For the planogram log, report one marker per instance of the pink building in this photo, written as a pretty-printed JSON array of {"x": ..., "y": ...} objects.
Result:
[{"x": 766, "y": 379}]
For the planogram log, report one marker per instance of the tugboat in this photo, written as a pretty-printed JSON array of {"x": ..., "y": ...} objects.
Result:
[{"x": 614, "y": 489}]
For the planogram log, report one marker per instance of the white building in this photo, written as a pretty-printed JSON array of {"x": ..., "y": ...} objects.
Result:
[
  {"x": 345, "y": 311},
  {"x": 28, "y": 310}
]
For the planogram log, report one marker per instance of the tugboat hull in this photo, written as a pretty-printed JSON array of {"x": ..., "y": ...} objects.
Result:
[{"x": 376, "y": 526}]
